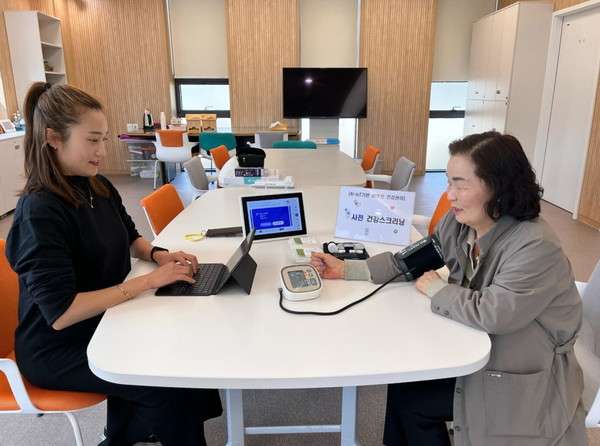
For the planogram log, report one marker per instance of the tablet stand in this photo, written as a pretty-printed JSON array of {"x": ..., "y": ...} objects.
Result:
[{"x": 243, "y": 273}]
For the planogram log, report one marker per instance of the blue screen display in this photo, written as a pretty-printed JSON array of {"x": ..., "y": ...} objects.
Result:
[{"x": 275, "y": 216}]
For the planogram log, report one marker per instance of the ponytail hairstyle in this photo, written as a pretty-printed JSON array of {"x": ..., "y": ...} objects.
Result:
[{"x": 56, "y": 107}]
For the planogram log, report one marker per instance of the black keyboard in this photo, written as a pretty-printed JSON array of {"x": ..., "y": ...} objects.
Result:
[{"x": 207, "y": 279}]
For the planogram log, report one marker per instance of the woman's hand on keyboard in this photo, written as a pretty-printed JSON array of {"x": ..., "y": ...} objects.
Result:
[
  {"x": 181, "y": 257},
  {"x": 170, "y": 272}
]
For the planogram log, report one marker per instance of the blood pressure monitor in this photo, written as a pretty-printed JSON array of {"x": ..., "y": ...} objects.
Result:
[{"x": 300, "y": 282}]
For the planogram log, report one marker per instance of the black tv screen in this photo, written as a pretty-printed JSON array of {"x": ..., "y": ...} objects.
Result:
[{"x": 324, "y": 92}]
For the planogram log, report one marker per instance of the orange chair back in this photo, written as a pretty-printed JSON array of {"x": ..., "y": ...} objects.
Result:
[
  {"x": 171, "y": 138},
  {"x": 441, "y": 209},
  {"x": 369, "y": 157},
  {"x": 220, "y": 156},
  {"x": 9, "y": 300},
  {"x": 162, "y": 206}
]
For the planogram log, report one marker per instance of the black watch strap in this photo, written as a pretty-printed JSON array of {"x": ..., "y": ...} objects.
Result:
[{"x": 154, "y": 249}]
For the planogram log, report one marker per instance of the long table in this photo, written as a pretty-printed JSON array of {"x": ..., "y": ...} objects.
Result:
[
  {"x": 235, "y": 341},
  {"x": 307, "y": 167}
]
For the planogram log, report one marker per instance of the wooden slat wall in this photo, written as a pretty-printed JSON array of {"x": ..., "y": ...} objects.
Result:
[
  {"x": 118, "y": 51},
  {"x": 589, "y": 203},
  {"x": 396, "y": 45},
  {"x": 263, "y": 36}
]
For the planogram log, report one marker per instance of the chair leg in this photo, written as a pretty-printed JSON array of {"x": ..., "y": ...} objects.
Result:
[
  {"x": 76, "y": 430},
  {"x": 155, "y": 169}
]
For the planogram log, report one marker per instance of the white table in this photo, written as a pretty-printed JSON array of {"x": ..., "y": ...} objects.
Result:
[
  {"x": 236, "y": 341},
  {"x": 308, "y": 167}
]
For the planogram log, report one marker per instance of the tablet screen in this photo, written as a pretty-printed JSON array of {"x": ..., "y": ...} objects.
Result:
[{"x": 273, "y": 216}]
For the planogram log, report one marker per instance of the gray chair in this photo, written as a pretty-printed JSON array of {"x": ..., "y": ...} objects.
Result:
[
  {"x": 400, "y": 178},
  {"x": 265, "y": 140},
  {"x": 197, "y": 175},
  {"x": 587, "y": 347}
]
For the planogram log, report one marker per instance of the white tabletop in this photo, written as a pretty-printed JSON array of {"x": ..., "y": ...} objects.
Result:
[
  {"x": 308, "y": 167},
  {"x": 240, "y": 341}
]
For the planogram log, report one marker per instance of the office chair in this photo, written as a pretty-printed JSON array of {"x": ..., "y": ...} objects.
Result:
[
  {"x": 171, "y": 146},
  {"x": 220, "y": 156},
  {"x": 400, "y": 178},
  {"x": 426, "y": 225},
  {"x": 587, "y": 347},
  {"x": 265, "y": 140},
  {"x": 294, "y": 144},
  {"x": 197, "y": 175},
  {"x": 161, "y": 206},
  {"x": 210, "y": 140},
  {"x": 370, "y": 162},
  {"x": 16, "y": 394}
]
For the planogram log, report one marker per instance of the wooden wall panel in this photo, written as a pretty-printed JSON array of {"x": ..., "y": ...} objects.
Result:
[
  {"x": 263, "y": 36},
  {"x": 589, "y": 203},
  {"x": 561, "y": 4},
  {"x": 396, "y": 46},
  {"x": 118, "y": 51}
]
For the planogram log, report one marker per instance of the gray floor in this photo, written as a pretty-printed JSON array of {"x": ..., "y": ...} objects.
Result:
[{"x": 581, "y": 243}]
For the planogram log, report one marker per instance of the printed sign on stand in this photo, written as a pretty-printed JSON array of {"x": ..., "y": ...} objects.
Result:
[{"x": 375, "y": 215}]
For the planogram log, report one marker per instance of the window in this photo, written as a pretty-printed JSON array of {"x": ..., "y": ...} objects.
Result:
[
  {"x": 202, "y": 96},
  {"x": 446, "y": 121}
]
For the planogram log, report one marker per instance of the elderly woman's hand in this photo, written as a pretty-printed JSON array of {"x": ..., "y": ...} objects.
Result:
[
  {"x": 329, "y": 267},
  {"x": 427, "y": 282}
]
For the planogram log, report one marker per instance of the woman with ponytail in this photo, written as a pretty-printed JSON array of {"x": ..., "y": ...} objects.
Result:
[{"x": 70, "y": 244}]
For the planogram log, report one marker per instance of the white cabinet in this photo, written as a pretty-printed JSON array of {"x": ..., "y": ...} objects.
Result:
[
  {"x": 508, "y": 59},
  {"x": 36, "y": 51},
  {"x": 12, "y": 176}
]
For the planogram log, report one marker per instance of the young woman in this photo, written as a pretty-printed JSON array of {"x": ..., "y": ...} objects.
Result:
[
  {"x": 70, "y": 243},
  {"x": 510, "y": 278}
]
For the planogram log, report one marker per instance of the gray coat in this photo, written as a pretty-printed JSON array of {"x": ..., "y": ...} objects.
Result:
[{"x": 523, "y": 294}]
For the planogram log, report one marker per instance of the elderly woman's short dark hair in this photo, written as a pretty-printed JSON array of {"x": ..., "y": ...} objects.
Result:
[{"x": 503, "y": 166}]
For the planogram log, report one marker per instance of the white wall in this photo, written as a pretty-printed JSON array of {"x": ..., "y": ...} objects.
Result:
[
  {"x": 453, "y": 37},
  {"x": 328, "y": 33},
  {"x": 199, "y": 38}
]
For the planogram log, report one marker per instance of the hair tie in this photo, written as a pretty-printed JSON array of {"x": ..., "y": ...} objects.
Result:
[{"x": 47, "y": 86}]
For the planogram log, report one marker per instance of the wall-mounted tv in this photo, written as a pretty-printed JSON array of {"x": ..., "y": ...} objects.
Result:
[{"x": 324, "y": 92}]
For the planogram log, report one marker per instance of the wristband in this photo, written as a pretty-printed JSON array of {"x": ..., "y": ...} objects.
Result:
[{"x": 153, "y": 250}]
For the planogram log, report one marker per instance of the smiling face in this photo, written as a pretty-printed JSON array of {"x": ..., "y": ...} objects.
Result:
[
  {"x": 84, "y": 149},
  {"x": 468, "y": 194}
]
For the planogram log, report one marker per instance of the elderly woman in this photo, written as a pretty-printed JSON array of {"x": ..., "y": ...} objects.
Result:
[{"x": 510, "y": 278}]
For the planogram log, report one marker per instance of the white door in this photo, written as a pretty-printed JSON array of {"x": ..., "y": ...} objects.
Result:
[
  {"x": 478, "y": 59},
  {"x": 473, "y": 117},
  {"x": 572, "y": 106},
  {"x": 497, "y": 115},
  {"x": 493, "y": 49},
  {"x": 506, "y": 52}
]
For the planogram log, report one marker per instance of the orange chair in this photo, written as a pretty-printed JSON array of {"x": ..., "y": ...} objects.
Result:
[
  {"x": 443, "y": 206},
  {"x": 369, "y": 161},
  {"x": 161, "y": 206},
  {"x": 16, "y": 394},
  {"x": 424, "y": 223},
  {"x": 220, "y": 156}
]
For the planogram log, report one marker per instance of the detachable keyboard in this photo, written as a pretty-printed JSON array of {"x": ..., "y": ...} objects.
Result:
[{"x": 208, "y": 278}]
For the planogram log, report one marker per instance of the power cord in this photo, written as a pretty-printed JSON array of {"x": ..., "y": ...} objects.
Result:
[{"x": 338, "y": 311}]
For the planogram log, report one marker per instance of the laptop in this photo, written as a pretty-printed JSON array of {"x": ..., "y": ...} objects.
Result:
[{"x": 212, "y": 277}]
